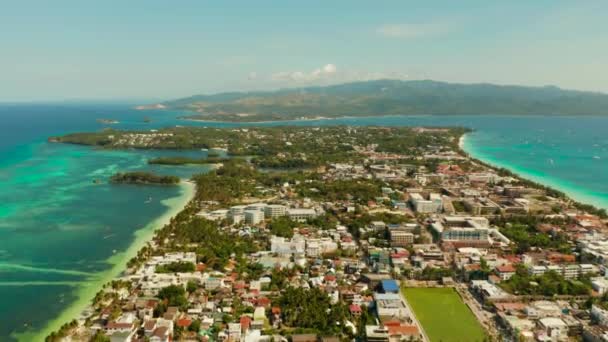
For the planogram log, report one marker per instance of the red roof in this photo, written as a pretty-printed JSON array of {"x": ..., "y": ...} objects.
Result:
[
  {"x": 407, "y": 330},
  {"x": 505, "y": 269},
  {"x": 276, "y": 310},
  {"x": 330, "y": 277},
  {"x": 354, "y": 308},
  {"x": 392, "y": 323},
  {"x": 245, "y": 322},
  {"x": 263, "y": 301},
  {"x": 184, "y": 322}
]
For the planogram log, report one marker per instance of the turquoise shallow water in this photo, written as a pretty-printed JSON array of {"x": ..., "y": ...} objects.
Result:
[{"x": 61, "y": 235}]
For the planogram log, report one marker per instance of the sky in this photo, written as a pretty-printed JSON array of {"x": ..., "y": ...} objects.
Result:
[{"x": 161, "y": 49}]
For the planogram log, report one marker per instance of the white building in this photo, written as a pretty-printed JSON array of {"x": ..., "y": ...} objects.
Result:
[
  {"x": 301, "y": 215},
  {"x": 254, "y": 216},
  {"x": 287, "y": 247},
  {"x": 554, "y": 327},
  {"x": 432, "y": 205},
  {"x": 275, "y": 210}
]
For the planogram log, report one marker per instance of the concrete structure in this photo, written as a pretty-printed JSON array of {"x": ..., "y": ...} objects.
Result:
[
  {"x": 275, "y": 210},
  {"x": 400, "y": 238},
  {"x": 555, "y": 328},
  {"x": 301, "y": 215},
  {"x": 254, "y": 216},
  {"x": 420, "y": 204}
]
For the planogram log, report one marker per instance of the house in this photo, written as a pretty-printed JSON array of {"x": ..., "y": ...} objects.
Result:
[
  {"x": 554, "y": 327},
  {"x": 505, "y": 272}
]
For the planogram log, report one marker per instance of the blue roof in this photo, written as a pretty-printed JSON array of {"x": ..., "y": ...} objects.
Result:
[{"x": 390, "y": 285}]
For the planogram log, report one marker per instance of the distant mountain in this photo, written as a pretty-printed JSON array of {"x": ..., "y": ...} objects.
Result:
[{"x": 392, "y": 97}]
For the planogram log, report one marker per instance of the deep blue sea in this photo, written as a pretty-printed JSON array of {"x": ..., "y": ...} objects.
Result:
[{"x": 62, "y": 235}]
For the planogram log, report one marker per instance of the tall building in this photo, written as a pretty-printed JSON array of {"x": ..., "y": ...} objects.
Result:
[
  {"x": 254, "y": 216},
  {"x": 275, "y": 210}
]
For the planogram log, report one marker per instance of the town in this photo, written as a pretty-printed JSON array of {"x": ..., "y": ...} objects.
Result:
[{"x": 376, "y": 234}]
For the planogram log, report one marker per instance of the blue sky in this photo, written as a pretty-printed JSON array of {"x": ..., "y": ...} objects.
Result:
[{"x": 158, "y": 49}]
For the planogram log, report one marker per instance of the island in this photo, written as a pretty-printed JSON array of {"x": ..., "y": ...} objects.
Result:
[
  {"x": 140, "y": 177},
  {"x": 388, "y": 233},
  {"x": 389, "y": 97}
]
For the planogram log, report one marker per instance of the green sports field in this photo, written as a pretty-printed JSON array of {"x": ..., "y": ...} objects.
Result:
[{"x": 443, "y": 315}]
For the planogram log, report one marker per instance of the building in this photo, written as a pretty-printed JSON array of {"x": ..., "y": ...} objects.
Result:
[
  {"x": 287, "y": 247},
  {"x": 432, "y": 205},
  {"x": 481, "y": 206},
  {"x": 376, "y": 333},
  {"x": 275, "y": 210},
  {"x": 400, "y": 238},
  {"x": 389, "y": 306},
  {"x": 301, "y": 215},
  {"x": 554, "y": 327},
  {"x": 465, "y": 234},
  {"x": 390, "y": 286},
  {"x": 254, "y": 216},
  {"x": 465, "y": 230},
  {"x": 505, "y": 272},
  {"x": 237, "y": 210}
]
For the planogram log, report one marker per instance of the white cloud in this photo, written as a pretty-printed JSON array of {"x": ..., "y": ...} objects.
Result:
[
  {"x": 252, "y": 76},
  {"x": 411, "y": 31},
  {"x": 325, "y": 72}
]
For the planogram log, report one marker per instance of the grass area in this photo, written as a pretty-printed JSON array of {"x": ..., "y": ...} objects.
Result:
[{"x": 443, "y": 315}]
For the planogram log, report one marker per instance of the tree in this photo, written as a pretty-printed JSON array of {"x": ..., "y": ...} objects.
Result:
[{"x": 174, "y": 295}]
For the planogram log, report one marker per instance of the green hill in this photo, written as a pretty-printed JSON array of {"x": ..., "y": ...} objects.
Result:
[{"x": 392, "y": 97}]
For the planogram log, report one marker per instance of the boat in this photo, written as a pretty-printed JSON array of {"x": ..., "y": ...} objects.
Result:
[
  {"x": 108, "y": 121},
  {"x": 596, "y": 157},
  {"x": 149, "y": 200}
]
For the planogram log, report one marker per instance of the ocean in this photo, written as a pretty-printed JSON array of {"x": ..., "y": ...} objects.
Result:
[{"x": 62, "y": 235}]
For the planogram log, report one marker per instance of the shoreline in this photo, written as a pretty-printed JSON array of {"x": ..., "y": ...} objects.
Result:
[
  {"x": 570, "y": 190},
  {"x": 85, "y": 292}
]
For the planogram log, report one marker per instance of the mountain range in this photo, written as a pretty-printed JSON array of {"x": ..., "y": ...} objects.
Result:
[{"x": 391, "y": 97}]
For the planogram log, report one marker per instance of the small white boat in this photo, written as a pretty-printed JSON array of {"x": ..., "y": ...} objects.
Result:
[{"x": 596, "y": 157}]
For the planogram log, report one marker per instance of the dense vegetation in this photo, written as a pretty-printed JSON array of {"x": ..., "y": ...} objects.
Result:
[
  {"x": 548, "y": 284},
  {"x": 173, "y": 295},
  {"x": 140, "y": 177},
  {"x": 186, "y": 160},
  {"x": 282, "y": 226},
  {"x": 275, "y": 147},
  {"x": 392, "y": 97},
  {"x": 176, "y": 267},
  {"x": 523, "y": 232},
  {"x": 311, "y": 308}
]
